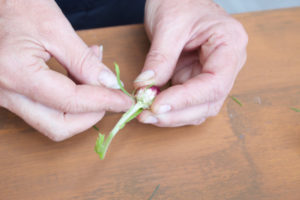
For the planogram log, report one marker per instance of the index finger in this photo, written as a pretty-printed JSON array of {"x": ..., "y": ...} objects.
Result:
[
  {"x": 58, "y": 91},
  {"x": 212, "y": 84}
]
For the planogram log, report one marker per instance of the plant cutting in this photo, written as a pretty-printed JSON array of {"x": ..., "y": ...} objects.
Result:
[{"x": 143, "y": 99}]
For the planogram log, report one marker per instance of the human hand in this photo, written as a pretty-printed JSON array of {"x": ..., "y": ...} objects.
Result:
[
  {"x": 201, "y": 49},
  {"x": 52, "y": 103}
]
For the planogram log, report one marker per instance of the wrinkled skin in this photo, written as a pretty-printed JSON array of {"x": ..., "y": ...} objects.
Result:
[
  {"x": 201, "y": 49},
  {"x": 52, "y": 103},
  {"x": 194, "y": 43}
]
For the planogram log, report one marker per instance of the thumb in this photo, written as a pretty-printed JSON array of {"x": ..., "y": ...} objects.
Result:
[
  {"x": 161, "y": 59},
  {"x": 81, "y": 61}
]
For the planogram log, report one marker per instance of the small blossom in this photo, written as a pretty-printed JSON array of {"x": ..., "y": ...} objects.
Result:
[
  {"x": 143, "y": 100},
  {"x": 145, "y": 95}
]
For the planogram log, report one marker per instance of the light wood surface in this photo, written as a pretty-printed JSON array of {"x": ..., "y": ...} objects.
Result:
[{"x": 249, "y": 152}]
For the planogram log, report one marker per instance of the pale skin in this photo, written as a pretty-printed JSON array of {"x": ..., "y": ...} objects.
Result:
[
  {"x": 201, "y": 49},
  {"x": 195, "y": 44}
]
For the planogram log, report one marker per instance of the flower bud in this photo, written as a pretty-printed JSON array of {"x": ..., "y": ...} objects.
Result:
[{"x": 146, "y": 96}]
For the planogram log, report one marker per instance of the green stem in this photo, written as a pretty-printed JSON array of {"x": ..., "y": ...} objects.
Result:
[
  {"x": 125, "y": 117},
  {"x": 102, "y": 145}
]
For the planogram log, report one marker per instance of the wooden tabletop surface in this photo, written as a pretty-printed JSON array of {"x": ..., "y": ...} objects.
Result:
[{"x": 246, "y": 152}]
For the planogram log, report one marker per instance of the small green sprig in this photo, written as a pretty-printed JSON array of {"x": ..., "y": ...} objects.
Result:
[
  {"x": 236, "y": 100},
  {"x": 154, "y": 192},
  {"x": 142, "y": 101},
  {"x": 117, "y": 69},
  {"x": 295, "y": 109}
]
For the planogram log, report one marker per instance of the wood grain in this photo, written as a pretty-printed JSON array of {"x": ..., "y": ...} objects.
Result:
[{"x": 249, "y": 152}]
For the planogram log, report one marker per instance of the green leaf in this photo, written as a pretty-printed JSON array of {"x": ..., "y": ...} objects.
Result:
[
  {"x": 117, "y": 69},
  {"x": 100, "y": 144},
  {"x": 236, "y": 100},
  {"x": 295, "y": 109}
]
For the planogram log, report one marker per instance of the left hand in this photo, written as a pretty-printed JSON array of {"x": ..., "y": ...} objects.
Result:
[
  {"x": 198, "y": 46},
  {"x": 31, "y": 32}
]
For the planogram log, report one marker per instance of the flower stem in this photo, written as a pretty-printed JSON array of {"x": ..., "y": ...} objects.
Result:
[{"x": 103, "y": 144}]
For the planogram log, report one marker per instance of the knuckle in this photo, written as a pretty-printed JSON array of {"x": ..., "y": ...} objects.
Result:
[
  {"x": 218, "y": 92},
  {"x": 241, "y": 33},
  {"x": 71, "y": 103},
  {"x": 232, "y": 31},
  {"x": 220, "y": 89},
  {"x": 84, "y": 63},
  {"x": 58, "y": 135},
  {"x": 156, "y": 57},
  {"x": 238, "y": 33},
  {"x": 66, "y": 106},
  {"x": 213, "y": 110},
  {"x": 59, "y": 132},
  {"x": 166, "y": 18}
]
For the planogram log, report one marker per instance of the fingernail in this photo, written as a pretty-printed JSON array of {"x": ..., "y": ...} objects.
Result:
[
  {"x": 108, "y": 79},
  {"x": 145, "y": 76},
  {"x": 163, "y": 109},
  {"x": 101, "y": 52},
  {"x": 150, "y": 120}
]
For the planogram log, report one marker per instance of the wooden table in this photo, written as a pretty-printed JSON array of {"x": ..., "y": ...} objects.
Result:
[{"x": 249, "y": 152}]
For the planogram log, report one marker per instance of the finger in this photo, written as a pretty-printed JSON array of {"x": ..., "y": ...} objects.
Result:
[
  {"x": 58, "y": 91},
  {"x": 214, "y": 83},
  {"x": 98, "y": 50},
  {"x": 188, "y": 66},
  {"x": 162, "y": 57},
  {"x": 54, "y": 124},
  {"x": 186, "y": 73},
  {"x": 186, "y": 59},
  {"x": 100, "y": 53},
  {"x": 189, "y": 116},
  {"x": 69, "y": 49}
]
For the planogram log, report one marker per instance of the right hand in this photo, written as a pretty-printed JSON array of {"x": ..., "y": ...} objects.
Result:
[{"x": 31, "y": 32}]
